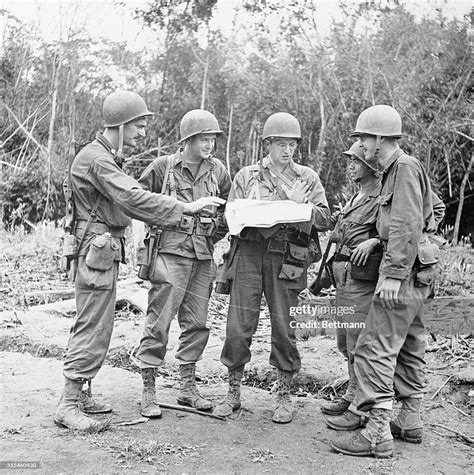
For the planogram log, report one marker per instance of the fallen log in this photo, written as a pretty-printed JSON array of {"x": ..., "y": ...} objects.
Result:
[{"x": 47, "y": 296}]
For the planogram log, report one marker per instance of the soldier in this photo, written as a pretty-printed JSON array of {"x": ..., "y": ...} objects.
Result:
[
  {"x": 273, "y": 260},
  {"x": 389, "y": 356},
  {"x": 355, "y": 269},
  {"x": 105, "y": 199},
  {"x": 182, "y": 274}
]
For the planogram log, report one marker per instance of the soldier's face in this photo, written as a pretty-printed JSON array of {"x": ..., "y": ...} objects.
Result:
[
  {"x": 358, "y": 170},
  {"x": 133, "y": 132},
  {"x": 368, "y": 145},
  {"x": 201, "y": 146},
  {"x": 281, "y": 150}
]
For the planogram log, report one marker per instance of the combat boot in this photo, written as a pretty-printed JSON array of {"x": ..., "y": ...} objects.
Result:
[
  {"x": 232, "y": 400},
  {"x": 373, "y": 441},
  {"x": 336, "y": 408},
  {"x": 188, "y": 392},
  {"x": 68, "y": 414},
  {"x": 150, "y": 407},
  {"x": 90, "y": 406},
  {"x": 283, "y": 412},
  {"x": 408, "y": 426},
  {"x": 348, "y": 421}
]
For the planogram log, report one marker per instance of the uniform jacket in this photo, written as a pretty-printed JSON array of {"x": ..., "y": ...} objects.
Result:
[
  {"x": 188, "y": 189},
  {"x": 247, "y": 184},
  {"x": 357, "y": 222},
  {"x": 406, "y": 211},
  {"x": 95, "y": 172}
]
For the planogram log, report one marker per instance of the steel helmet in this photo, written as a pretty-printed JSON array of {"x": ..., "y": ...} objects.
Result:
[
  {"x": 121, "y": 107},
  {"x": 198, "y": 121},
  {"x": 379, "y": 120},
  {"x": 282, "y": 124},
  {"x": 357, "y": 151}
]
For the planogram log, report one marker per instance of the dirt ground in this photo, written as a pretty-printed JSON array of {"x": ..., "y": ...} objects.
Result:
[{"x": 33, "y": 341}]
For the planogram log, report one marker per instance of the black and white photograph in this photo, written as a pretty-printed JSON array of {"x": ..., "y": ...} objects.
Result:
[{"x": 236, "y": 236}]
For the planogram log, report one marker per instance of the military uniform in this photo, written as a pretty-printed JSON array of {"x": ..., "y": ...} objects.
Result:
[
  {"x": 390, "y": 351},
  {"x": 356, "y": 224},
  {"x": 184, "y": 269},
  {"x": 258, "y": 265},
  {"x": 95, "y": 173}
]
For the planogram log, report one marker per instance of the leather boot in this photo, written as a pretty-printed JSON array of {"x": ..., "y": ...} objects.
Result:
[
  {"x": 232, "y": 400},
  {"x": 348, "y": 421},
  {"x": 68, "y": 414},
  {"x": 88, "y": 405},
  {"x": 283, "y": 412},
  {"x": 150, "y": 407},
  {"x": 373, "y": 441},
  {"x": 335, "y": 408},
  {"x": 188, "y": 392},
  {"x": 408, "y": 426}
]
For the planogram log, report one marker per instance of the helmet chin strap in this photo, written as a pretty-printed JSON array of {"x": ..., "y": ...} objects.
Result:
[
  {"x": 377, "y": 148},
  {"x": 120, "y": 143}
]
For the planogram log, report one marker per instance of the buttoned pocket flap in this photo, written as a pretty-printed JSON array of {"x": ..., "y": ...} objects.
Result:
[{"x": 298, "y": 253}]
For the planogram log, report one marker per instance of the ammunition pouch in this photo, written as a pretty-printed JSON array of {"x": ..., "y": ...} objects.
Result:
[
  {"x": 102, "y": 253},
  {"x": 426, "y": 264},
  {"x": 205, "y": 226},
  {"x": 198, "y": 225},
  {"x": 294, "y": 262},
  {"x": 428, "y": 252},
  {"x": 369, "y": 271}
]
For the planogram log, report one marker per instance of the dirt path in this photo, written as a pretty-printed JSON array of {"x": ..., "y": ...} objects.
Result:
[{"x": 180, "y": 442}]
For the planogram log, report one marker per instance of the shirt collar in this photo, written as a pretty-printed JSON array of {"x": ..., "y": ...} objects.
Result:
[{"x": 386, "y": 164}]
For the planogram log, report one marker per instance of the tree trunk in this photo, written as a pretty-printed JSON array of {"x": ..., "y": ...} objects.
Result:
[
  {"x": 229, "y": 135},
  {"x": 204, "y": 82},
  {"x": 49, "y": 149},
  {"x": 461, "y": 200}
]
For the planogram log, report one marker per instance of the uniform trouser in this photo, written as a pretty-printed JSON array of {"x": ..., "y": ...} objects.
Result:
[
  {"x": 390, "y": 351},
  {"x": 91, "y": 332},
  {"x": 257, "y": 271},
  {"x": 178, "y": 285},
  {"x": 355, "y": 295}
]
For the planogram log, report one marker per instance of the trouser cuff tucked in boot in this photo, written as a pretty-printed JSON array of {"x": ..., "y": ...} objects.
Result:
[
  {"x": 348, "y": 421},
  {"x": 283, "y": 412},
  {"x": 407, "y": 425},
  {"x": 89, "y": 405},
  {"x": 150, "y": 407},
  {"x": 375, "y": 440},
  {"x": 232, "y": 400},
  {"x": 68, "y": 413},
  {"x": 188, "y": 392}
]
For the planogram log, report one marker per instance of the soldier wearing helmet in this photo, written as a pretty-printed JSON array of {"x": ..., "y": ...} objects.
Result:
[
  {"x": 354, "y": 268},
  {"x": 182, "y": 274},
  {"x": 271, "y": 260},
  {"x": 105, "y": 199},
  {"x": 389, "y": 356}
]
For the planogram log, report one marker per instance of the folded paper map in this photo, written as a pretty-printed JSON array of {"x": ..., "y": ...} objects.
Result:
[{"x": 264, "y": 214}]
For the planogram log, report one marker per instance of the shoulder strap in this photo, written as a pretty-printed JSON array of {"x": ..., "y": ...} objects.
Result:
[
  {"x": 166, "y": 175},
  {"x": 92, "y": 215},
  {"x": 214, "y": 180}
]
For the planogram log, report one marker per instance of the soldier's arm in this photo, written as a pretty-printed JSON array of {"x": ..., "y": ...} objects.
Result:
[
  {"x": 406, "y": 223},
  {"x": 321, "y": 216},
  {"x": 439, "y": 209},
  {"x": 126, "y": 192}
]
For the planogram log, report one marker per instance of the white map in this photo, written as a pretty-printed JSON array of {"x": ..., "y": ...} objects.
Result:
[{"x": 264, "y": 214}]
